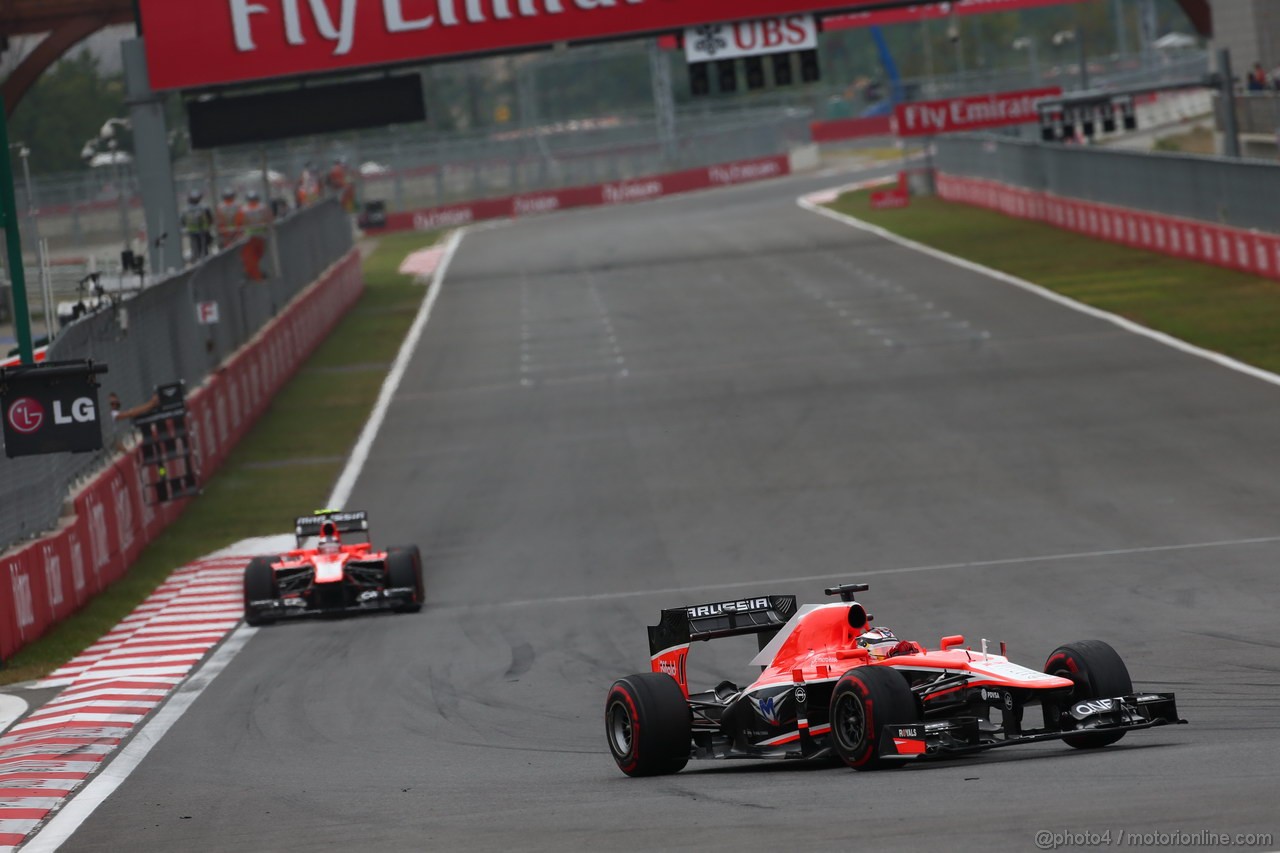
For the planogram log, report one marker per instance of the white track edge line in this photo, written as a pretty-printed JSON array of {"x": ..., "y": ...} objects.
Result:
[
  {"x": 82, "y": 804},
  {"x": 360, "y": 453},
  {"x": 1115, "y": 319}
]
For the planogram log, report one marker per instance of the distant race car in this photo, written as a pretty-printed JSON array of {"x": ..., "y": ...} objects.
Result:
[
  {"x": 324, "y": 574},
  {"x": 834, "y": 686}
]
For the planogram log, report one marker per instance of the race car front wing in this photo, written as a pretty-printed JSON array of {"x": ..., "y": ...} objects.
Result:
[
  {"x": 296, "y": 605},
  {"x": 939, "y": 738}
]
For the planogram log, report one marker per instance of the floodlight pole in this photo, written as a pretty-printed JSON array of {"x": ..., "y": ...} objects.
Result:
[{"x": 13, "y": 242}]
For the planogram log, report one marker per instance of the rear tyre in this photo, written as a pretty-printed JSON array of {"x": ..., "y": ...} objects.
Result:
[
  {"x": 404, "y": 569},
  {"x": 259, "y": 584},
  {"x": 648, "y": 724},
  {"x": 1098, "y": 673},
  {"x": 864, "y": 701}
]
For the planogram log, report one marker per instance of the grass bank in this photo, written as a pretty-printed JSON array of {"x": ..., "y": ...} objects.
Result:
[
  {"x": 1221, "y": 310},
  {"x": 285, "y": 466}
]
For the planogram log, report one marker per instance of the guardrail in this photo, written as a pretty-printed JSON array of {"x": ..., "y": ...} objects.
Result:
[{"x": 1218, "y": 190}]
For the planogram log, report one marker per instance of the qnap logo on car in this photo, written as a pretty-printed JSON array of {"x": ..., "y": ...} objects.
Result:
[
  {"x": 1095, "y": 706},
  {"x": 704, "y": 610},
  {"x": 669, "y": 667}
]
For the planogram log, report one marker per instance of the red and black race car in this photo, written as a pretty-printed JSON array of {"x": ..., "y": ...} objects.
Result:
[
  {"x": 834, "y": 686},
  {"x": 329, "y": 574}
]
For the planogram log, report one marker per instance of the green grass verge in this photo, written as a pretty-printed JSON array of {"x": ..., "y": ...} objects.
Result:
[
  {"x": 286, "y": 465},
  {"x": 1221, "y": 310}
]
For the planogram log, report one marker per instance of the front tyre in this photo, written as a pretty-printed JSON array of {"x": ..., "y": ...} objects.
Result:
[
  {"x": 259, "y": 585},
  {"x": 404, "y": 569},
  {"x": 1098, "y": 673},
  {"x": 864, "y": 701},
  {"x": 648, "y": 724}
]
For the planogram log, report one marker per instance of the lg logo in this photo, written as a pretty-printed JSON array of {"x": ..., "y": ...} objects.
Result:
[
  {"x": 26, "y": 415},
  {"x": 83, "y": 411}
]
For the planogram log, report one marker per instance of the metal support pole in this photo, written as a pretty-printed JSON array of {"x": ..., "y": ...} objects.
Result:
[
  {"x": 1227, "y": 103},
  {"x": 25, "y": 153},
  {"x": 122, "y": 203},
  {"x": 927, "y": 38},
  {"x": 1084, "y": 60},
  {"x": 1148, "y": 26},
  {"x": 46, "y": 289},
  {"x": 1122, "y": 38},
  {"x": 152, "y": 161},
  {"x": 664, "y": 104},
  {"x": 13, "y": 242}
]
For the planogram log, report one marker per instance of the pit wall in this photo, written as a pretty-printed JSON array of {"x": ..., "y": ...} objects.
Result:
[
  {"x": 1242, "y": 249},
  {"x": 599, "y": 195},
  {"x": 45, "y": 581}
]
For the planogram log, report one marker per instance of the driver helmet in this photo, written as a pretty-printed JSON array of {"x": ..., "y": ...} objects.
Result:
[
  {"x": 330, "y": 542},
  {"x": 879, "y": 641}
]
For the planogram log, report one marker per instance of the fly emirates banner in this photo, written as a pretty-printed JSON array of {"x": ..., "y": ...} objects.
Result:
[{"x": 216, "y": 42}]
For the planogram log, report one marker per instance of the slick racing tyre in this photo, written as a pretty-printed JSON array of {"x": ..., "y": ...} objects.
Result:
[
  {"x": 1098, "y": 673},
  {"x": 864, "y": 701},
  {"x": 404, "y": 569},
  {"x": 259, "y": 584},
  {"x": 648, "y": 724}
]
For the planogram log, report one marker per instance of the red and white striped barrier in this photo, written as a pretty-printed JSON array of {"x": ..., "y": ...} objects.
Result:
[
  {"x": 1246, "y": 250},
  {"x": 112, "y": 687}
]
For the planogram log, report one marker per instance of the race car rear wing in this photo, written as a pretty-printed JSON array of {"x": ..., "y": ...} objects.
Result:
[
  {"x": 764, "y": 615},
  {"x": 669, "y": 639},
  {"x": 346, "y": 522}
]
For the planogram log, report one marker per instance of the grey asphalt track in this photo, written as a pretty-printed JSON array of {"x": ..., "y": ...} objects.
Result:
[{"x": 618, "y": 410}]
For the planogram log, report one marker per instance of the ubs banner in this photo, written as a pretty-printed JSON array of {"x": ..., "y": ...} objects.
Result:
[{"x": 50, "y": 408}]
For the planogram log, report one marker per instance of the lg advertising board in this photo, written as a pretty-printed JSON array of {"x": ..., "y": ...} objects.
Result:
[
  {"x": 50, "y": 408},
  {"x": 217, "y": 42}
]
